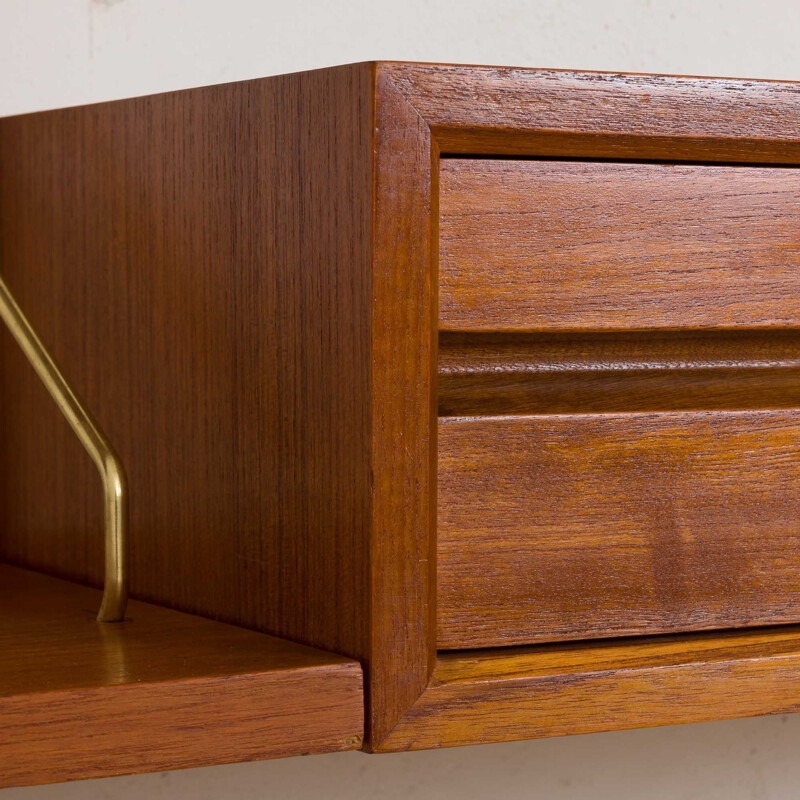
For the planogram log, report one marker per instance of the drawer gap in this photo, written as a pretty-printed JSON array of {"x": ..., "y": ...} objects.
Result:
[
  {"x": 624, "y": 160},
  {"x": 661, "y": 648}
]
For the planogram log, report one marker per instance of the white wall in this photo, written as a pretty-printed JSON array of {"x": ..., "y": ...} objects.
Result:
[{"x": 64, "y": 52}]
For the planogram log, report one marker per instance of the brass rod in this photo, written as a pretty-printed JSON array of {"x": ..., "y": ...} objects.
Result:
[{"x": 94, "y": 441}]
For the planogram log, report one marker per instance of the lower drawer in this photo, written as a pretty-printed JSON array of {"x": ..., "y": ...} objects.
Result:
[{"x": 581, "y": 526}]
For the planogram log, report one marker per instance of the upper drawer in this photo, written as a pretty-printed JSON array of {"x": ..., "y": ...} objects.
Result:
[{"x": 532, "y": 245}]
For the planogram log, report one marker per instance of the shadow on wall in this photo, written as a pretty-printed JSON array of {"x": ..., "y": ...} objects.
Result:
[{"x": 734, "y": 760}]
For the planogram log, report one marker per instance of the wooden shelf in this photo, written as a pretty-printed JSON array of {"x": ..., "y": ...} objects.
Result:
[{"x": 162, "y": 690}]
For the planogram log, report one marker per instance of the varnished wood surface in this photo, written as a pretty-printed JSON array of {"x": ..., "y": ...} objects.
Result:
[
  {"x": 200, "y": 265},
  {"x": 533, "y": 245},
  {"x": 162, "y": 690},
  {"x": 554, "y": 690},
  {"x": 246, "y": 275},
  {"x": 587, "y": 526},
  {"x": 486, "y": 373},
  {"x": 222, "y": 275},
  {"x": 543, "y": 112},
  {"x": 403, "y": 413},
  {"x": 490, "y": 111}
]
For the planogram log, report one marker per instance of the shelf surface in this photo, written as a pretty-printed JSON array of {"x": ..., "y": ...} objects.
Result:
[{"x": 162, "y": 690}]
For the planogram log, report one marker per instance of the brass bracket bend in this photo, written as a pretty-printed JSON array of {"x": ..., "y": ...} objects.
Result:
[{"x": 94, "y": 441}]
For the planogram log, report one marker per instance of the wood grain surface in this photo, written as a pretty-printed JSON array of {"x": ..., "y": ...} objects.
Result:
[
  {"x": 546, "y": 373},
  {"x": 587, "y": 526},
  {"x": 544, "y": 112},
  {"x": 200, "y": 265},
  {"x": 241, "y": 280},
  {"x": 403, "y": 413},
  {"x": 162, "y": 690},
  {"x": 532, "y": 245},
  {"x": 222, "y": 275},
  {"x": 553, "y": 690},
  {"x": 494, "y": 111}
]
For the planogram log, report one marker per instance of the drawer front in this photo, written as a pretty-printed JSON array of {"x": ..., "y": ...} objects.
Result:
[
  {"x": 549, "y": 245},
  {"x": 619, "y": 379},
  {"x": 557, "y": 527}
]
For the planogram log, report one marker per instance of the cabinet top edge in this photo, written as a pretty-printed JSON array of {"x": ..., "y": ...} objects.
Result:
[
  {"x": 422, "y": 69},
  {"x": 429, "y": 77}
]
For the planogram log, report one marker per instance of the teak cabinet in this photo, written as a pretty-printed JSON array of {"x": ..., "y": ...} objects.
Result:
[{"x": 486, "y": 378}]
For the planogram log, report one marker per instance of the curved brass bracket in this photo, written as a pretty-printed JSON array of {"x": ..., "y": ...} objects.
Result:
[{"x": 94, "y": 441}]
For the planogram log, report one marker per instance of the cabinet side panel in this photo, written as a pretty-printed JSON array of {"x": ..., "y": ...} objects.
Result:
[{"x": 199, "y": 264}]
